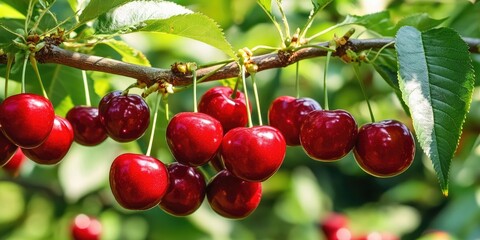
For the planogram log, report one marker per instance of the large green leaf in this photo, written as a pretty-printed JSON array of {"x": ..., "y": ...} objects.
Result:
[
  {"x": 164, "y": 17},
  {"x": 20, "y": 5},
  {"x": 98, "y": 7},
  {"x": 436, "y": 79},
  {"x": 379, "y": 22}
]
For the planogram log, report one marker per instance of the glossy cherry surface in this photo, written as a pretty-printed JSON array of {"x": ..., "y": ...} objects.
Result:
[
  {"x": 384, "y": 149},
  {"x": 85, "y": 227},
  {"x": 186, "y": 191},
  {"x": 56, "y": 146},
  {"x": 126, "y": 117},
  {"x": 102, "y": 105},
  {"x": 286, "y": 114},
  {"x": 15, "y": 164},
  {"x": 194, "y": 138},
  {"x": 7, "y": 149},
  {"x": 138, "y": 182},
  {"x": 253, "y": 154},
  {"x": 87, "y": 128},
  {"x": 233, "y": 197},
  {"x": 26, "y": 119},
  {"x": 218, "y": 103},
  {"x": 328, "y": 135}
]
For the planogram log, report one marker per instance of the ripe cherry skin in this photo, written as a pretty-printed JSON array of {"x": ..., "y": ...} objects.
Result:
[
  {"x": 14, "y": 166},
  {"x": 232, "y": 197},
  {"x": 335, "y": 227},
  {"x": 253, "y": 154},
  {"x": 87, "y": 128},
  {"x": 186, "y": 191},
  {"x": 138, "y": 182},
  {"x": 286, "y": 114},
  {"x": 194, "y": 138},
  {"x": 218, "y": 103},
  {"x": 56, "y": 146},
  {"x": 102, "y": 105},
  {"x": 328, "y": 135},
  {"x": 384, "y": 149},
  {"x": 7, "y": 149},
  {"x": 126, "y": 117},
  {"x": 26, "y": 119},
  {"x": 86, "y": 227}
]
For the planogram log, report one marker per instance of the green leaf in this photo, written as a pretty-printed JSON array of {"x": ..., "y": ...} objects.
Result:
[
  {"x": 98, "y": 7},
  {"x": 266, "y": 5},
  {"x": 20, "y": 5},
  {"x": 436, "y": 78},
  {"x": 379, "y": 22},
  {"x": 129, "y": 54},
  {"x": 164, "y": 17},
  {"x": 420, "y": 21},
  {"x": 195, "y": 26},
  {"x": 320, "y": 4}
]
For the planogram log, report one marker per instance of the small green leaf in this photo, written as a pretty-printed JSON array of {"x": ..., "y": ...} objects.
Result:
[
  {"x": 98, "y": 7},
  {"x": 320, "y": 4},
  {"x": 129, "y": 54},
  {"x": 379, "y": 22},
  {"x": 266, "y": 5},
  {"x": 420, "y": 21},
  {"x": 436, "y": 78}
]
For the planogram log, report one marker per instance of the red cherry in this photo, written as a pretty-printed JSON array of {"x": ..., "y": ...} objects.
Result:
[
  {"x": 335, "y": 227},
  {"x": 14, "y": 166},
  {"x": 233, "y": 197},
  {"x": 186, "y": 191},
  {"x": 138, "y": 182},
  {"x": 378, "y": 236},
  {"x": 102, "y": 105},
  {"x": 218, "y": 103},
  {"x": 26, "y": 119},
  {"x": 194, "y": 138},
  {"x": 287, "y": 113},
  {"x": 217, "y": 163},
  {"x": 328, "y": 135},
  {"x": 126, "y": 117},
  {"x": 384, "y": 149},
  {"x": 253, "y": 154},
  {"x": 7, "y": 149},
  {"x": 56, "y": 146},
  {"x": 85, "y": 227},
  {"x": 87, "y": 128}
]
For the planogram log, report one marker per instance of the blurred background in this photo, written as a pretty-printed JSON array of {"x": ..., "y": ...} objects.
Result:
[{"x": 41, "y": 201}]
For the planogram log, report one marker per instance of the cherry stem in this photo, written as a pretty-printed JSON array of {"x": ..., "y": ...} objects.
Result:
[
  {"x": 325, "y": 90},
  {"x": 167, "y": 108},
  {"x": 362, "y": 86},
  {"x": 24, "y": 70},
  {"x": 33, "y": 61},
  {"x": 247, "y": 102},
  {"x": 297, "y": 80},
  {"x": 154, "y": 124},
  {"x": 195, "y": 108},
  {"x": 85, "y": 85},
  {"x": 257, "y": 99},
  {"x": 235, "y": 89},
  {"x": 205, "y": 173},
  {"x": 10, "y": 58}
]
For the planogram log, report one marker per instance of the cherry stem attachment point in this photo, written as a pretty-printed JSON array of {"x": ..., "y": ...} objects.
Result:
[
  {"x": 87, "y": 91},
  {"x": 257, "y": 99},
  {"x": 154, "y": 124},
  {"x": 247, "y": 102},
  {"x": 362, "y": 86}
]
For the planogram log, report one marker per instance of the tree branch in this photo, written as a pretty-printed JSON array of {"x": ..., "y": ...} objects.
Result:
[{"x": 150, "y": 75}]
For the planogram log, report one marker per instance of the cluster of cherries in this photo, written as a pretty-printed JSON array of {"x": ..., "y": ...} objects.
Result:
[{"x": 243, "y": 156}]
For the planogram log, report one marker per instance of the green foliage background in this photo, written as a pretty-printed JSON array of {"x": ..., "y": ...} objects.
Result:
[{"x": 42, "y": 201}]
